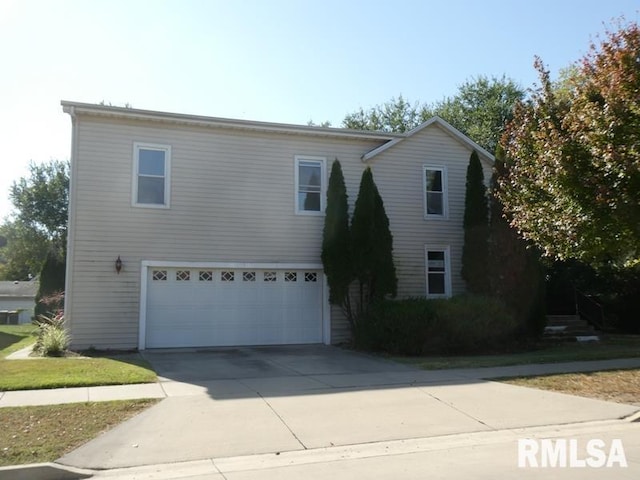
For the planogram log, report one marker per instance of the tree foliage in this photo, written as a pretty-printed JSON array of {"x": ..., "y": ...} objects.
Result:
[
  {"x": 514, "y": 272},
  {"x": 39, "y": 223},
  {"x": 574, "y": 185},
  {"x": 42, "y": 199},
  {"x": 480, "y": 110},
  {"x": 52, "y": 277},
  {"x": 476, "y": 228},
  {"x": 372, "y": 245},
  {"x": 336, "y": 241},
  {"x": 23, "y": 253},
  {"x": 396, "y": 115}
]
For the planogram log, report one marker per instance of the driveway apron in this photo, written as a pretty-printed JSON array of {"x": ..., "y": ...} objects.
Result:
[{"x": 242, "y": 401}]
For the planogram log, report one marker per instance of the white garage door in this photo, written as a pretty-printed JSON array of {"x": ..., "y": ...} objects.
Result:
[{"x": 193, "y": 307}]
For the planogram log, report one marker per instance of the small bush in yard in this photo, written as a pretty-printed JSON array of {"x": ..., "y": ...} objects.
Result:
[
  {"x": 398, "y": 327},
  {"x": 472, "y": 323},
  {"x": 53, "y": 339},
  {"x": 420, "y": 326}
]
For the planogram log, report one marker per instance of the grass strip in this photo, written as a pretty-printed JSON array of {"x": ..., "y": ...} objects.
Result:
[
  {"x": 610, "y": 348},
  {"x": 41, "y": 373},
  {"x": 16, "y": 337},
  {"x": 622, "y": 386},
  {"x": 43, "y": 434}
]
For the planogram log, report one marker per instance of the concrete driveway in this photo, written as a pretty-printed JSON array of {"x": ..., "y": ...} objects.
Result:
[{"x": 246, "y": 401}]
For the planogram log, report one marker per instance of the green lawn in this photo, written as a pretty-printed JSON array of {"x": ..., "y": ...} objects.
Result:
[
  {"x": 15, "y": 337},
  {"x": 43, "y": 434},
  {"x": 36, "y": 373},
  {"x": 74, "y": 372},
  {"x": 614, "y": 346}
]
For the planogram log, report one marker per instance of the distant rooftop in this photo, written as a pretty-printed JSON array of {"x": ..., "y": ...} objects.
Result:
[{"x": 19, "y": 289}]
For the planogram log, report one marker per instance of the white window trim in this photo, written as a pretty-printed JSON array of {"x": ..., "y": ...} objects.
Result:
[
  {"x": 447, "y": 269},
  {"x": 323, "y": 183},
  {"x": 445, "y": 193},
  {"x": 167, "y": 175}
]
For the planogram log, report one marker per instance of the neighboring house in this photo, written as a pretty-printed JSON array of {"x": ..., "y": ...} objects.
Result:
[
  {"x": 17, "y": 301},
  {"x": 218, "y": 224}
]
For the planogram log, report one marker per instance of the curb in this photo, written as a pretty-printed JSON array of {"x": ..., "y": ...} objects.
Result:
[{"x": 215, "y": 467}]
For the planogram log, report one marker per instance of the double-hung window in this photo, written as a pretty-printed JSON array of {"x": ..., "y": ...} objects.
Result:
[
  {"x": 438, "y": 271},
  {"x": 152, "y": 167},
  {"x": 310, "y": 185},
  {"x": 435, "y": 191}
]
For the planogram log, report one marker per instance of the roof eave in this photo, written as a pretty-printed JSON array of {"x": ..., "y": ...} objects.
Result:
[{"x": 219, "y": 122}]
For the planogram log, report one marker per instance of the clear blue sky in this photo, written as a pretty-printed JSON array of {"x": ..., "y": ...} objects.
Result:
[{"x": 272, "y": 60}]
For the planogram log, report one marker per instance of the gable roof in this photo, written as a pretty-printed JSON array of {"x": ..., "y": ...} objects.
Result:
[
  {"x": 74, "y": 108},
  {"x": 446, "y": 126},
  {"x": 16, "y": 289}
]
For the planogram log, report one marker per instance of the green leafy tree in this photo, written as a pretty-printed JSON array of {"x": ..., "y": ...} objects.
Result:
[
  {"x": 39, "y": 223},
  {"x": 397, "y": 116},
  {"x": 41, "y": 200},
  {"x": 24, "y": 252},
  {"x": 514, "y": 272},
  {"x": 574, "y": 184},
  {"x": 336, "y": 242},
  {"x": 476, "y": 228},
  {"x": 480, "y": 109},
  {"x": 372, "y": 246}
]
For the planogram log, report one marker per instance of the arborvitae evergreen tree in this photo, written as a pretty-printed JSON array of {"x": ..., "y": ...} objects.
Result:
[
  {"x": 476, "y": 228},
  {"x": 515, "y": 273},
  {"x": 386, "y": 282},
  {"x": 52, "y": 278},
  {"x": 336, "y": 243},
  {"x": 372, "y": 245}
]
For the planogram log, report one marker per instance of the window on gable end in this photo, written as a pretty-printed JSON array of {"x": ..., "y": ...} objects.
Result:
[
  {"x": 435, "y": 191},
  {"x": 151, "y": 173},
  {"x": 310, "y": 185}
]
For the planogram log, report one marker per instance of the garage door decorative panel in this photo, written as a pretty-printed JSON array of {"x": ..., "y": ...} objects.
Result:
[{"x": 223, "y": 307}]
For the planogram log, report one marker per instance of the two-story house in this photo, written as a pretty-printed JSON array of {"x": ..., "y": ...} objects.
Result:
[{"x": 190, "y": 231}]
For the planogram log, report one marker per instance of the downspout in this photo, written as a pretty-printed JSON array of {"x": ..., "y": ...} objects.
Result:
[{"x": 71, "y": 219}]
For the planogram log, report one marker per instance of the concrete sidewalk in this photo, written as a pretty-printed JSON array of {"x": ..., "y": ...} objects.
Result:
[
  {"x": 168, "y": 388},
  {"x": 483, "y": 455},
  {"x": 252, "y": 416},
  {"x": 316, "y": 417}
]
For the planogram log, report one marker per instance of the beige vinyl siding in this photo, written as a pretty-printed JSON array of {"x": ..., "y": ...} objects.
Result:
[
  {"x": 232, "y": 200},
  {"x": 398, "y": 174}
]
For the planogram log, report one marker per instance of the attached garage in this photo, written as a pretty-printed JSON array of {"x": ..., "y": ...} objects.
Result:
[{"x": 189, "y": 305}]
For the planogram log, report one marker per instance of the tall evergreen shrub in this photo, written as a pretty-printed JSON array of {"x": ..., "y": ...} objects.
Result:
[
  {"x": 336, "y": 241},
  {"x": 372, "y": 245},
  {"x": 476, "y": 228},
  {"x": 516, "y": 275},
  {"x": 52, "y": 278}
]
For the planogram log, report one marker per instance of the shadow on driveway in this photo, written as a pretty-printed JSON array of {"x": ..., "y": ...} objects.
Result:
[
  {"x": 231, "y": 402},
  {"x": 281, "y": 370}
]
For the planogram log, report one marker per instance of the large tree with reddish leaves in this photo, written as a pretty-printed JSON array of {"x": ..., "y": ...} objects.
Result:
[{"x": 573, "y": 183}]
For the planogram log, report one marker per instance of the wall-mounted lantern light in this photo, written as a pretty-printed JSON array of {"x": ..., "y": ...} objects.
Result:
[{"x": 118, "y": 264}]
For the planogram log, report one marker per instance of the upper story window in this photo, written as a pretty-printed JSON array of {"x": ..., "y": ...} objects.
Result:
[
  {"x": 310, "y": 185},
  {"x": 435, "y": 191},
  {"x": 152, "y": 167}
]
